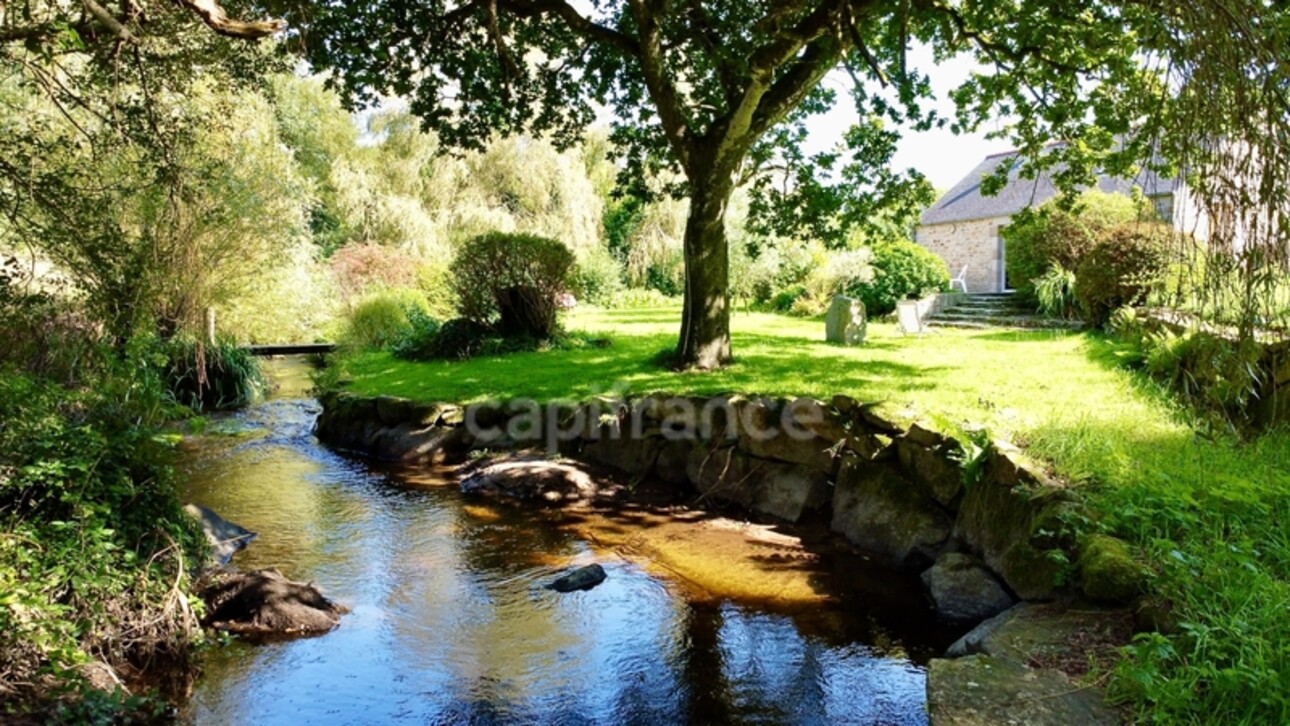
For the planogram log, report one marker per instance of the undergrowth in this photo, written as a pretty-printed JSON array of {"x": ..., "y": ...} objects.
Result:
[{"x": 95, "y": 551}]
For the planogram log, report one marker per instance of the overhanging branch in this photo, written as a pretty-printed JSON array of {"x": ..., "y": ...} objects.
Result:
[{"x": 213, "y": 15}]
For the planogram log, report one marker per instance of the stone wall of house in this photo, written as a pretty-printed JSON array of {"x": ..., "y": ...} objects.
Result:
[{"x": 974, "y": 244}]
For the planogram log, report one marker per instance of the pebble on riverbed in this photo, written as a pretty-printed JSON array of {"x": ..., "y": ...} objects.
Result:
[{"x": 583, "y": 578}]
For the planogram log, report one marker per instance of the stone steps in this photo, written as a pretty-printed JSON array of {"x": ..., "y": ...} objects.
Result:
[
  {"x": 1003, "y": 321},
  {"x": 996, "y": 310}
]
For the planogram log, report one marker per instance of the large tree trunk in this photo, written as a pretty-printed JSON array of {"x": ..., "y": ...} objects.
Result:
[{"x": 705, "y": 318}]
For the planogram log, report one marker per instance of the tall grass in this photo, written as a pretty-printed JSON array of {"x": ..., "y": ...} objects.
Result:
[
  {"x": 1055, "y": 292},
  {"x": 205, "y": 377}
]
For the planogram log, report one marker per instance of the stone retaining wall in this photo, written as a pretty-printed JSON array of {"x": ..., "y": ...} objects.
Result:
[{"x": 1004, "y": 532}]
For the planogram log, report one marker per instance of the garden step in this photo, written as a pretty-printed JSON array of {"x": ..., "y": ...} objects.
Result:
[
  {"x": 1006, "y": 321},
  {"x": 990, "y": 309}
]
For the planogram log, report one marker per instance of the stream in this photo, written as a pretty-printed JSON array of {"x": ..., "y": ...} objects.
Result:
[{"x": 451, "y": 622}]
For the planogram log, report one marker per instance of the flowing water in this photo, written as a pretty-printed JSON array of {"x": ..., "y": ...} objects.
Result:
[{"x": 450, "y": 621}]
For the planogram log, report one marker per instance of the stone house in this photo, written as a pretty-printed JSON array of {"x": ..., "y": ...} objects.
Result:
[{"x": 964, "y": 225}]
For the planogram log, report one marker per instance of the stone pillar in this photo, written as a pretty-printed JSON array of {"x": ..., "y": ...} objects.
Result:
[{"x": 845, "y": 322}]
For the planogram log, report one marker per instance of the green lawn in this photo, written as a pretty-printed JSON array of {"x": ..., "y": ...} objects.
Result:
[{"x": 1208, "y": 513}]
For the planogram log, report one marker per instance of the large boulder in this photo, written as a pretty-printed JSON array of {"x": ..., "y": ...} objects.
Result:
[
  {"x": 1026, "y": 666},
  {"x": 997, "y": 517},
  {"x": 887, "y": 515},
  {"x": 635, "y": 456},
  {"x": 786, "y": 491},
  {"x": 266, "y": 603},
  {"x": 963, "y": 589},
  {"x": 844, "y": 323},
  {"x": 1046, "y": 633},
  {"x": 984, "y": 691},
  {"x": 930, "y": 459},
  {"x": 536, "y": 480},
  {"x": 673, "y": 458}
]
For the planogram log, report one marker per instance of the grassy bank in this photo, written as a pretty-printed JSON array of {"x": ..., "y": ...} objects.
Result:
[{"x": 1207, "y": 513}]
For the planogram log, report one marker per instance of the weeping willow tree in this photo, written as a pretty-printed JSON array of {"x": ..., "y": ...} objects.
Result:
[{"x": 1225, "y": 127}]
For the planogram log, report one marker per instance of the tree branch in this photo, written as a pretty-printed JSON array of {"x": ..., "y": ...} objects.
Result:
[
  {"x": 100, "y": 13},
  {"x": 575, "y": 21},
  {"x": 791, "y": 88},
  {"x": 661, "y": 88},
  {"x": 212, "y": 13},
  {"x": 986, "y": 42}
]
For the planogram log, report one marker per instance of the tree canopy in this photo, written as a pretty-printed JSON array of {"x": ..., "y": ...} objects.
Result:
[{"x": 719, "y": 91}]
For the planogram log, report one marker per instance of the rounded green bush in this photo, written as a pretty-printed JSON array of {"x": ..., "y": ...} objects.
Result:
[
  {"x": 381, "y": 318},
  {"x": 509, "y": 282},
  {"x": 901, "y": 269},
  {"x": 1126, "y": 264}
]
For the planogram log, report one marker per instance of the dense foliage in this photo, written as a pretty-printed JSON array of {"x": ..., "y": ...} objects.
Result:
[
  {"x": 510, "y": 282},
  {"x": 1058, "y": 235},
  {"x": 902, "y": 270},
  {"x": 1125, "y": 266},
  {"x": 94, "y": 548}
]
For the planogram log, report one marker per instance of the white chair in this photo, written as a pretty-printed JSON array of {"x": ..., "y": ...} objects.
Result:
[
  {"x": 908, "y": 319},
  {"x": 961, "y": 280}
]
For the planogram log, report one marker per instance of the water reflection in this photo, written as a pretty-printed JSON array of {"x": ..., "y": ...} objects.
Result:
[{"x": 451, "y": 623}]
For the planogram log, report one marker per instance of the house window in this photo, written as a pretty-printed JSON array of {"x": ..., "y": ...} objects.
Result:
[{"x": 1164, "y": 206}]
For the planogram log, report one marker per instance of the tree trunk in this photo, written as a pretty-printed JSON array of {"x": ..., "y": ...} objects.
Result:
[{"x": 705, "y": 318}]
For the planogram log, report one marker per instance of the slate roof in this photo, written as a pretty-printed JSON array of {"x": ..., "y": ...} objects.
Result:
[{"x": 965, "y": 202}]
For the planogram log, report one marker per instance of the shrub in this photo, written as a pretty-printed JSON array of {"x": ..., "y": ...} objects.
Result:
[
  {"x": 1038, "y": 240},
  {"x": 381, "y": 318},
  {"x": 902, "y": 270},
  {"x": 808, "y": 306},
  {"x": 435, "y": 282},
  {"x": 782, "y": 301},
  {"x": 510, "y": 282},
  {"x": 203, "y": 377},
  {"x": 1055, "y": 292},
  {"x": 44, "y": 334},
  {"x": 92, "y": 541},
  {"x": 1126, "y": 265},
  {"x": 642, "y": 297},
  {"x": 419, "y": 340},
  {"x": 458, "y": 339},
  {"x": 360, "y": 268},
  {"x": 842, "y": 270},
  {"x": 597, "y": 278}
]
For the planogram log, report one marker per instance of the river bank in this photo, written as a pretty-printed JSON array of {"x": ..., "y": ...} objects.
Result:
[
  {"x": 451, "y": 618},
  {"x": 985, "y": 530}
]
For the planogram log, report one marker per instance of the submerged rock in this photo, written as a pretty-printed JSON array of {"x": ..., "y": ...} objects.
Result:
[
  {"x": 265, "y": 602},
  {"x": 964, "y": 589},
  {"x": 583, "y": 578},
  {"x": 225, "y": 537}
]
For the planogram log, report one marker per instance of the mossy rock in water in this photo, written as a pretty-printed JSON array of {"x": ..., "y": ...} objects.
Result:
[{"x": 1108, "y": 571}]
